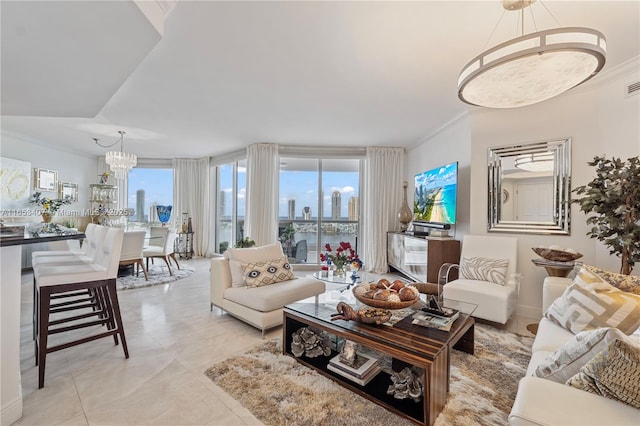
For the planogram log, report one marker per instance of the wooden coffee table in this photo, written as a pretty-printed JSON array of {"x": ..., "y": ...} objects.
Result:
[{"x": 426, "y": 348}]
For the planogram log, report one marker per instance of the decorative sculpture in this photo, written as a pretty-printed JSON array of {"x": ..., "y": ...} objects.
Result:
[{"x": 310, "y": 342}]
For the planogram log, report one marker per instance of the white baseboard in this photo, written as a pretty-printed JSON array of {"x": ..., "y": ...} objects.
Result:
[
  {"x": 12, "y": 412},
  {"x": 529, "y": 312}
]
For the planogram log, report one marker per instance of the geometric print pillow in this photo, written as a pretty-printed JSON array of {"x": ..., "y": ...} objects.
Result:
[
  {"x": 613, "y": 373},
  {"x": 267, "y": 272},
  {"x": 628, "y": 283},
  {"x": 484, "y": 269},
  {"x": 589, "y": 303}
]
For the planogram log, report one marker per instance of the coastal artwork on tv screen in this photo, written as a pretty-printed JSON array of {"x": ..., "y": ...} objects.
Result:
[{"x": 435, "y": 196}]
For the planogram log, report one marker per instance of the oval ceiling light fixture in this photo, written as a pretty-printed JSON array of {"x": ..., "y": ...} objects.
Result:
[{"x": 532, "y": 68}]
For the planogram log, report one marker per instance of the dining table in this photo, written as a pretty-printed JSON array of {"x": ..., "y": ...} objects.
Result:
[{"x": 12, "y": 238}]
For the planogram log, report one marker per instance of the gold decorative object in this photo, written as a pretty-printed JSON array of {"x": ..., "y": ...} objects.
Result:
[{"x": 404, "y": 214}]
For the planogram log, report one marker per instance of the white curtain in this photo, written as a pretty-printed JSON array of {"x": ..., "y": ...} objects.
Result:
[
  {"x": 383, "y": 177},
  {"x": 261, "y": 219},
  {"x": 192, "y": 191}
]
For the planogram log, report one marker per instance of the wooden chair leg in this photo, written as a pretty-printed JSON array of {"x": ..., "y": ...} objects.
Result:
[
  {"x": 165, "y": 258},
  {"x": 140, "y": 264},
  {"x": 43, "y": 333},
  {"x": 173, "y": 256},
  {"x": 113, "y": 296}
]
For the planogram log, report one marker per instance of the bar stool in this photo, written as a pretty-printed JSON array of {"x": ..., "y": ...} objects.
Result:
[
  {"x": 95, "y": 235},
  {"x": 99, "y": 275}
]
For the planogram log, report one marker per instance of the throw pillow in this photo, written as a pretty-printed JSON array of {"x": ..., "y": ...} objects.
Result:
[
  {"x": 628, "y": 283},
  {"x": 566, "y": 362},
  {"x": 484, "y": 269},
  {"x": 589, "y": 302},
  {"x": 258, "y": 274},
  {"x": 613, "y": 373},
  {"x": 239, "y": 256}
]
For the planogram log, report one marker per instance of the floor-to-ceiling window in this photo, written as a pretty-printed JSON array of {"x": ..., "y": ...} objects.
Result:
[
  {"x": 319, "y": 204},
  {"x": 231, "y": 187},
  {"x": 149, "y": 187}
]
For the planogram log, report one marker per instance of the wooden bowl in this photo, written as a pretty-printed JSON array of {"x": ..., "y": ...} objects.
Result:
[
  {"x": 556, "y": 255},
  {"x": 384, "y": 304}
]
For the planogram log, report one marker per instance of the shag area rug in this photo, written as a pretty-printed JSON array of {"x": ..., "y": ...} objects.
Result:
[
  {"x": 280, "y": 391},
  {"x": 158, "y": 274}
]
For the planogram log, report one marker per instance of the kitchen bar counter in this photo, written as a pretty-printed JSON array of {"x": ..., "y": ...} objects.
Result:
[{"x": 11, "y": 241}]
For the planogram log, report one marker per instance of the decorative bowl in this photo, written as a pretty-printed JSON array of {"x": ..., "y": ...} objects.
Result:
[
  {"x": 383, "y": 304},
  {"x": 374, "y": 316},
  {"x": 556, "y": 255}
]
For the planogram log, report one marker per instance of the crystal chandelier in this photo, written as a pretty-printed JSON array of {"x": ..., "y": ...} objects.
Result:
[
  {"x": 120, "y": 162},
  {"x": 532, "y": 68}
]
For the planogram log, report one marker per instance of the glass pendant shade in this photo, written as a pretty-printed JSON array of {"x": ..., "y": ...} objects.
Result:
[
  {"x": 121, "y": 162},
  {"x": 532, "y": 68}
]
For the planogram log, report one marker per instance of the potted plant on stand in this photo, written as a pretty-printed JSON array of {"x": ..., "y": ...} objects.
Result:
[{"x": 612, "y": 201}]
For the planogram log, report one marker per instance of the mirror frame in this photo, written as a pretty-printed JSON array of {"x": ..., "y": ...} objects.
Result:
[
  {"x": 45, "y": 180},
  {"x": 68, "y": 190},
  {"x": 560, "y": 225}
]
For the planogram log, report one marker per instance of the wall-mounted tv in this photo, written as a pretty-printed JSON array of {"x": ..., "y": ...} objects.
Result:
[{"x": 435, "y": 196}]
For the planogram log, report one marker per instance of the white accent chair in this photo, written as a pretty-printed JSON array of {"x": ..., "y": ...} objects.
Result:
[
  {"x": 161, "y": 245},
  {"x": 495, "y": 302},
  {"x": 132, "y": 251}
]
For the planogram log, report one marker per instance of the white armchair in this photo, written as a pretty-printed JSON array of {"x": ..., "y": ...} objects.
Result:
[{"x": 496, "y": 301}]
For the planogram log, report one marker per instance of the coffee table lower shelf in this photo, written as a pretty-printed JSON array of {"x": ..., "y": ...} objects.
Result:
[{"x": 434, "y": 364}]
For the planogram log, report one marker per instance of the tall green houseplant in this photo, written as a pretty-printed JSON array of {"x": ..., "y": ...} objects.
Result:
[{"x": 612, "y": 202}]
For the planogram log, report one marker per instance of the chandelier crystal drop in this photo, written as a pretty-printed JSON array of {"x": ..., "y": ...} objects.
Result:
[{"x": 532, "y": 68}]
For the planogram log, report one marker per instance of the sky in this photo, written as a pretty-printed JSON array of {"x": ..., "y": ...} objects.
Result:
[{"x": 157, "y": 185}]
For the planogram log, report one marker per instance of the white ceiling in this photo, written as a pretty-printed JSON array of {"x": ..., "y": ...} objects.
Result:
[{"x": 228, "y": 74}]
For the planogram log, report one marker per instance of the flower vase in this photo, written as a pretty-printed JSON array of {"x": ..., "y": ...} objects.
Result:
[
  {"x": 339, "y": 271},
  {"x": 46, "y": 217},
  {"x": 404, "y": 214}
]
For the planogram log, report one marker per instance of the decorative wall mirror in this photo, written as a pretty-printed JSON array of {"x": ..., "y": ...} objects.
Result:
[
  {"x": 68, "y": 191},
  {"x": 45, "y": 180},
  {"x": 530, "y": 188}
]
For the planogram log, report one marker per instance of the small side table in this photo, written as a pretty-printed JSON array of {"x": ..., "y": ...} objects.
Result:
[
  {"x": 555, "y": 269},
  {"x": 183, "y": 245}
]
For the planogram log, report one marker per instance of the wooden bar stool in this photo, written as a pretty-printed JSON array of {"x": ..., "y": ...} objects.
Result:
[{"x": 100, "y": 276}]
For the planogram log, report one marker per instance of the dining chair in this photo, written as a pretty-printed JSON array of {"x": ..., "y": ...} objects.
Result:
[
  {"x": 132, "y": 251},
  {"x": 161, "y": 246}
]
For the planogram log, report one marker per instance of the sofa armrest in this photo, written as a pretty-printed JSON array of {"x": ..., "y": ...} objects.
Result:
[
  {"x": 220, "y": 279},
  {"x": 543, "y": 402},
  {"x": 553, "y": 288}
]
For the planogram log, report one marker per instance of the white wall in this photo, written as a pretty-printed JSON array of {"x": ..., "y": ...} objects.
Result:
[
  {"x": 599, "y": 119},
  {"x": 71, "y": 167},
  {"x": 453, "y": 143}
]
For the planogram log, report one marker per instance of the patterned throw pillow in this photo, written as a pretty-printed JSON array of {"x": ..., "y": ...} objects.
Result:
[
  {"x": 258, "y": 274},
  {"x": 613, "y": 373},
  {"x": 628, "y": 283},
  {"x": 484, "y": 269},
  {"x": 566, "y": 362},
  {"x": 589, "y": 302}
]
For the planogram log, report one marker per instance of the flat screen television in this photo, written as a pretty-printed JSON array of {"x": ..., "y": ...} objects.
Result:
[{"x": 435, "y": 196}]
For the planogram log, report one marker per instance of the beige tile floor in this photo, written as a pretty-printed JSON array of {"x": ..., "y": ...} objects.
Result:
[{"x": 172, "y": 336}]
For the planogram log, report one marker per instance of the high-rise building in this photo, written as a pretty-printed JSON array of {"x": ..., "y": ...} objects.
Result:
[
  {"x": 153, "y": 213},
  {"x": 335, "y": 205},
  {"x": 222, "y": 203},
  {"x": 354, "y": 208},
  {"x": 140, "y": 205},
  {"x": 306, "y": 213},
  {"x": 292, "y": 209}
]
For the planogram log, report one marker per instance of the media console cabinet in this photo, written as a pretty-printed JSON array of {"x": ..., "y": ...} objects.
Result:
[{"x": 420, "y": 258}]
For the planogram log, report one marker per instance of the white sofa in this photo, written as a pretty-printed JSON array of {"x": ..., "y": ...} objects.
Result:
[
  {"x": 544, "y": 402},
  {"x": 259, "y": 306}
]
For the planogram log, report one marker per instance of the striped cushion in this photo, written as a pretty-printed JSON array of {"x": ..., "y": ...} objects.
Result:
[
  {"x": 613, "y": 373},
  {"x": 589, "y": 302},
  {"x": 258, "y": 274},
  {"x": 484, "y": 269}
]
